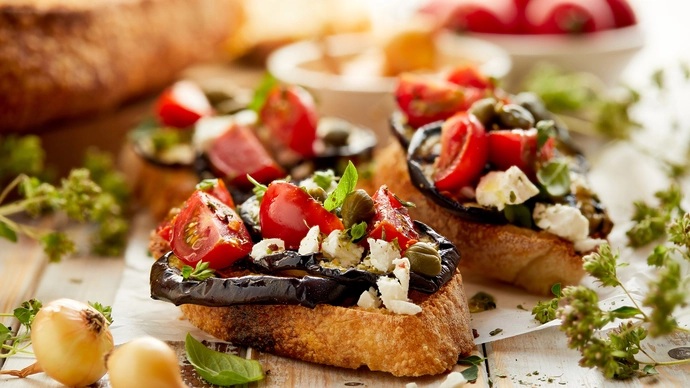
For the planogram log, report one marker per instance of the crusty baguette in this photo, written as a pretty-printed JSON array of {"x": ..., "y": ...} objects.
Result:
[
  {"x": 62, "y": 59},
  {"x": 404, "y": 345},
  {"x": 533, "y": 260}
]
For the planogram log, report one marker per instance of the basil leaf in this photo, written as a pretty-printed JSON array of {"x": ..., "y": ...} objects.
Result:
[
  {"x": 471, "y": 360},
  {"x": 220, "y": 368},
  {"x": 261, "y": 92},
  {"x": 346, "y": 185},
  {"x": 324, "y": 179},
  {"x": 358, "y": 231},
  {"x": 518, "y": 215},
  {"x": 555, "y": 176},
  {"x": 7, "y": 233},
  {"x": 546, "y": 129},
  {"x": 471, "y": 373}
]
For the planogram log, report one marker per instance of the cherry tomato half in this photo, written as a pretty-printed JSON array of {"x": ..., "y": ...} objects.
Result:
[
  {"x": 392, "y": 220},
  {"x": 518, "y": 147},
  {"x": 207, "y": 229},
  {"x": 290, "y": 113},
  {"x": 287, "y": 212},
  {"x": 216, "y": 187},
  {"x": 464, "y": 152},
  {"x": 181, "y": 105},
  {"x": 424, "y": 100},
  {"x": 238, "y": 152},
  {"x": 568, "y": 16},
  {"x": 469, "y": 76}
]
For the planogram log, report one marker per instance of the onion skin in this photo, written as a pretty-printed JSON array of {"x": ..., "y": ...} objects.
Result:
[
  {"x": 70, "y": 340},
  {"x": 144, "y": 363}
]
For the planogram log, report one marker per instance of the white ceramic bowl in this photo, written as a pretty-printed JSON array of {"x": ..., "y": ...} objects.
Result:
[
  {"x": 604, "y": 54},
  {"x": 367, "y": 100}
]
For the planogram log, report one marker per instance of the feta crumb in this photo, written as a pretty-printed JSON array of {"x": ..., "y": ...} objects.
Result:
[
  {"x": 390, "y": 289},
  {"x": 588, "y": 244},
  {"x": 394, "y": 291},
  {"x": 369, "y": 299},
  {"x": 267, "y": 247},
  {"x": 309, "y": 184},
  {"x": 411, "y": 385},
  {"x": 341, "y": 248},
  {"x": 563, "y": 221},
  {"x": 381, "y": 254},
  {"x": 499, "y": 188},
  {"x": 403, "y": 307},
  {"x": 208, "y": 129},
  {"x": 455, "y": 379},
  {"x": 310, "y": 243},
  {"x": 402, "y": 272}
]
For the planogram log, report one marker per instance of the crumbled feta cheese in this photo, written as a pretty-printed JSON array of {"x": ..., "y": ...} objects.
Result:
[
  {"x": 403, "y": 307},
  {"x": 310, "y": 242},
  {"x": 178, "y": 153},
  {"x": 500, "y": 188},
  {"x": 588, "y": 244},
  {"x": 342, "y": 249},
  {"x": 394, "y": 291},
  {"x": 455, "y": 379},
  {"x": 369, "y": 299},
  {"x": 246, "y": 117},
  {"x": 402, "y": 272},
  {"x": 381, "y": 254},
  {"x": 267, "y": 247},
  {"x": 411, "y": 385},
  {"x": 208, "y": 129},
  {"x": 390, "y": 289},
  {"x": 563, "y": 221},
  {"x": 309, "y": 184}
]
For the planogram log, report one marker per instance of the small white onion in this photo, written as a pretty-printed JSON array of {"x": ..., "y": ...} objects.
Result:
[{"x": 144, "y": 363}]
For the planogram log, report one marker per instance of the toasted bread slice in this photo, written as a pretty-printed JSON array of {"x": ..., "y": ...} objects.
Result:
[
  {"x": 533, "y": 260},
  {"x": 427, "y": 343}
]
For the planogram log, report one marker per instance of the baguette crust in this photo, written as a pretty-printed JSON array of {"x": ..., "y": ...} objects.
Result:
[
  {"x": 405, "y": 345},
  {"x": 530, "y": 259},
  {"x": 64, "y": 59}
]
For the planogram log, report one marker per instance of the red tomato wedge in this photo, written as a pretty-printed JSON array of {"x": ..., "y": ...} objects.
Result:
[
  {"x": 424, "y": 100},
  {"x": 568, "y": 16},
  {"x": 207, "y": 229},
  {"x": 517, "y": 147},
  {"x": 469, "y": 76},
  {"x": 392, "y": 220},
  {"x": 464, "y": 152},
  {"x": 287, "y": 212},
  {"x": 290, "y": 113},
  {"x": 181, "y": 105},
  {"x": 216, "y": 187},
  {"x": 238, "y": 152}
]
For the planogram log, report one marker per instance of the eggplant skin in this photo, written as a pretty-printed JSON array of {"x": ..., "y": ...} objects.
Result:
[
  {"x": 168, "y": 285},
  {"x": 291, "y": 260}
]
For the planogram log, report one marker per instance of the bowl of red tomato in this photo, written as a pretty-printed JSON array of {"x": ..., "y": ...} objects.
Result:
[{"x": 595, "y": 36}]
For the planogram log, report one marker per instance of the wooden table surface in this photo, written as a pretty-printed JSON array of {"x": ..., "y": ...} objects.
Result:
[{"x": 539, "y": 359}]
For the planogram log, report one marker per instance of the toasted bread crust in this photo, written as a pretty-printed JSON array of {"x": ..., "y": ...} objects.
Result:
[
  {"x": 533, "y": 260},
  {"x": 64, "y": 59},
  {"x": 404, "y": 345}
]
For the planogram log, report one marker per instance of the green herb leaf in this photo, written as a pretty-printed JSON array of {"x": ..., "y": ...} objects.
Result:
[
  {"x": 186, "y": 271},
  {"x": 6, "y": 232},
  {"x": 518, "y": 214},
  {"x": 358, "y": 231},
  {"x": 207, "y": 184},
  {"x": 404, "y": 203},
  {"x": 347, "y": 184},
  {"x": 5, "y": 333},
  {"x": 471, "y": 360},
  {"x": 324, "y": 179},
  {"x": 262, "y": 91},
  {"x": 556, "y": 290},
  {"x": 107, "y": 311},
  {"x": 625, "y": 312},
  {"x": 27, "y": 312},
  {"x": 471, "y": 374},
  {"x": 20, "y": 155},
  {"x": 481, "y": 301},
  {"x": 259, "y": 189},
  {"x": 649, "y": 370},
  {"x": 201, "y": 272},
  {"x": 555, "y": 177},
  {"x": 495, "y": 331},
  {"x": 220, "y": 368},
  {"x": 56, "y": 245},
  {"x": 602, "y": 265},
  {"x": 546, "y": 129}
]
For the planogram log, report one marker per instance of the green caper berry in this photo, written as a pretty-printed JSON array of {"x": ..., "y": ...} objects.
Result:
[
  {"x": 534, "y": 105},
  {"x": 337, "y": 135},
  {"x": 357, "y": 207},
  {"x": 484, "y": 110},
  {"x": 512, "y": 116},
  {"x": 424, "y": 259},
  {"x": 318, "y": 194}
]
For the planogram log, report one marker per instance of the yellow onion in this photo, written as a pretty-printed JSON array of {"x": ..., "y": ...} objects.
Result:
[
  {"x": 70, "y": 340},
  {"x": 144, "y": 363}
]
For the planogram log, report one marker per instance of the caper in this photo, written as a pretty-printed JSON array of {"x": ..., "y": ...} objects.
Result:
[
  {"x": 424, "y": 259},
  {"x": 485, "y": 111},
  {"x": 318, "y": 194},
  {"x": 357, "y": 207},
  {"x": 335, "y": 132},
  {"x": 534, "y": 105},
  {"x": 512, "y": 116}
]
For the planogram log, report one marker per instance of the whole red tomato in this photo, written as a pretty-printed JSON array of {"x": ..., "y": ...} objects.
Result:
[
  {"x": 518, "y": 147},
  {"x": 181, "y": 105},
  {"x": 568, "y": 16},
  {"x": 287, "y": 212},
  {"x": 290, "y": 114},
  {"x": 391, "y": 220},
  {"x": 208, "y": 230},
  {"x": 424, "y": 100},
  {"x": 238, "y": 152},
  {"x": 496, "y": 17},
  {"x": 464, "y": 152}
]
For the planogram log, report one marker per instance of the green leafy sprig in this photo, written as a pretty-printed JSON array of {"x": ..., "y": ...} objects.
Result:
[
  {"x": 650, "y": 221},
  {"x": 200, "y": 272},
  {"x": 221, "y": 368}
]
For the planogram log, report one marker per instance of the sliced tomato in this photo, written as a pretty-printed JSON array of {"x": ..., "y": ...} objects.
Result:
[
  {"x": 518, "y": 147},
  {"x": 238, "y": 152},
  {"x": 216, "y": 187},
  {"x": 469, "y": 76},
  {"x": 207, "y": 229},
  {"x": 181, "y": 105},
  {"x": 391, "y": 220},
  {"x": 425, "y": 100},
  {"x": 464, "y": 152},
  {"x": 568, "y": 16},
  {"x": 290, "y": 113},
  {"x": 164, "y": 229},
  {"x": 287, "y": 212}
]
